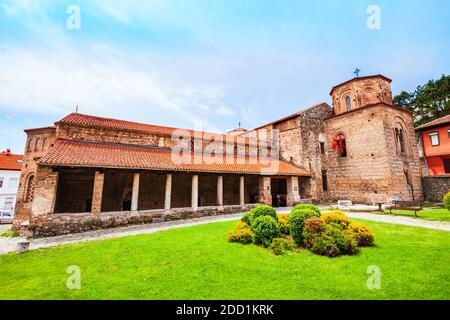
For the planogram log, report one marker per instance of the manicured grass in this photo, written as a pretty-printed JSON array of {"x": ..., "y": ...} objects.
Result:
[
  {"x": 425, "y": 214},
  {"x": 198, "y": 263}
]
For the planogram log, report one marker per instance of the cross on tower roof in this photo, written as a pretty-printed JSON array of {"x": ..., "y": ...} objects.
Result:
[{"x": 357, "y": 71}]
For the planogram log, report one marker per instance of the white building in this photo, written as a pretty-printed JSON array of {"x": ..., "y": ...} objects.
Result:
[{"x": 10, "y": 165}]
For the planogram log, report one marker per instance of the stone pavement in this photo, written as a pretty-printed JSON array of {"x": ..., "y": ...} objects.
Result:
[{"x": 9, "y": 244}]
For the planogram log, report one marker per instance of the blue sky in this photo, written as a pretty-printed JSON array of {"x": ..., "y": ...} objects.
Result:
[{"x": 204, "y": 64}]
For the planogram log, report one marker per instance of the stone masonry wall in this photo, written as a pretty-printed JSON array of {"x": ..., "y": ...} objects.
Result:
[
  {"x": 47, "y": 225},
  {"x": 434, "y": 188},
  {"x": 372, "y": 165}
]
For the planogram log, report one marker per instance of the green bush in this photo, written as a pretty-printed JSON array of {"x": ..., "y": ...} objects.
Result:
[
  {"x": 296, "y": 223},
  {"x": 259, "y": 211},
  {"x": 447, "y": 201},
  {"x": 265, "y": 229},
  {"x": 306, "y": 206},
  {"x": 280, "y": 246},
  {"x": 283, "y": 221},
  {"x": 332, "y": 242}
]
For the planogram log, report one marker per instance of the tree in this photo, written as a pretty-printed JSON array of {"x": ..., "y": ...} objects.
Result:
[{"x": 428, "y": 102}]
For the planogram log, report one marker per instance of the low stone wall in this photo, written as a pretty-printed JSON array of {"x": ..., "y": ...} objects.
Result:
[
  {"x": 59, "y": 224},
  {"x": 434, "y": 188}
]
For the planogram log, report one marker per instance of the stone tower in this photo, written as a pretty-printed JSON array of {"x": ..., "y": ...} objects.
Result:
[{"x": 371, "y": 147}]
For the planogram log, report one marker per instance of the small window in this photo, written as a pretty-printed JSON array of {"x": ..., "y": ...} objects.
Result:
[
  {"x": 291, "y": 160},
  {"x": 434, "y": 136},
  {"x": 400, "y": 140},
  {"x": 324, "y": 181},
  {"x": 12, "y": 183},
  {"x": 322, "y": 147},
  {"x": 9, "y": 203},
  {"x": 348, "y": 103},
  {"x": 37, "y": 144},
  {"x": 446, "y": 165},
  {"x": 30, "y": 145},
  {"x": 235, "y": 150}
]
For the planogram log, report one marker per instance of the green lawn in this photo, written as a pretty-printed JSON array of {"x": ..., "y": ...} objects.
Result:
[
  {"x": 425, "y": 214},
  {"x": 198, "y": 263}
]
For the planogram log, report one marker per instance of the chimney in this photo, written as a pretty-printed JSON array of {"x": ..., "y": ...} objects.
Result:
[{"x": 8, "y": 152}]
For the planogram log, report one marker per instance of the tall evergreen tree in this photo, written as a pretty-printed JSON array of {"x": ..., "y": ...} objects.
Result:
[{"x": 428, "y": 102}]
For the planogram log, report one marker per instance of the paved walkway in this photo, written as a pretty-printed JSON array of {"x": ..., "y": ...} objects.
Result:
[{"x": 9, "y": 244}]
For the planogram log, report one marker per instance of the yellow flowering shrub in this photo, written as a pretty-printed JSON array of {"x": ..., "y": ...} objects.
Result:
[
  {"x": 243, "y": 236},
  {"x": 283, "y": 221},
  {"x": 337, "y": 217},
  {"x": 361, "y": 233}
]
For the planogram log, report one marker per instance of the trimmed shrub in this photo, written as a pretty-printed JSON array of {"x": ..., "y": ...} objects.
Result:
[
  {"x": 283, "y": 221},
  {"x": 242, "y": 225},
  {"x": 306, "y": 206},
  {"x": 361, "y": 233},
  {"x": 337, "y": 217},
  {"x": 296, "y": 223},
  {"x": 314, "y": 225},
  {"x": 265, "y": 229},
  {"x": 280, "y": 246},
  {"x": 244, "y": 236},
  {"x": 259, "y": 211},
  {"x": 447, "y": 201},
  {"x": 332, "y": 242},
  {"x": 247, "y": 218}
]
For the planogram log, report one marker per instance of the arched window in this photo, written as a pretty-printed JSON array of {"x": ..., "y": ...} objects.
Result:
[
  {"x": 44, "y": 144},
  {"x": 400, "y": 140},
  {"x": 36, "y": 145},
  {"x": 29, "y": 189},
  {"x": 235, "y": 150},
  {"x": 348, "y": 103},
  {"x": 30, "y": 145}
]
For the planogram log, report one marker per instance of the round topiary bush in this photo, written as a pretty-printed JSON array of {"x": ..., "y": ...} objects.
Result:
[
  {"x": 296, "y": 223},
  {"x": 447, "y": 201},
  {"x": 309, "y": 206},
  {"x": 265, "y": 229},
  {"x": 259, "y": 211}
]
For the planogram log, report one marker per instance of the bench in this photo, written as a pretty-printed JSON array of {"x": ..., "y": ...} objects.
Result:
[{"x": 406, "y": 205}]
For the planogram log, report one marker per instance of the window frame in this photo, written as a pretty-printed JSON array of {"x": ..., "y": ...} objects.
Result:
[
  {"x": 434, "y": 134},
  {"x": 1, "y": 182},
  {"x": 348, "y": 103},
  {"x": 16, "y": 183},
  {"x": 9, "y": 200}
]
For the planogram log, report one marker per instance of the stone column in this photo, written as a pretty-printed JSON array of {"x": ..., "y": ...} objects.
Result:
[
  {"x": 293, "y": 194},
  {"x": 194, "y": 193},
  {"x": 45, "y": 189},
  {"x": 135, "y": 193},
  {"x": 220, "y": 192},
  {"x": 97, "y": 193},
  {"x": 264, "y": 190},
  {"x": 168, "y": 194},
  {"x": 242, "y": 190}
]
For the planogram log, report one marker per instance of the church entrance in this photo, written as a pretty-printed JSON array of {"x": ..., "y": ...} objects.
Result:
[{"x": 279, "y": 192}]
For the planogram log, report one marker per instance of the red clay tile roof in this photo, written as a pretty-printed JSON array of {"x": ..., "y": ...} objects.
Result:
[
  {"x": 360, "y": 78},
  {"x": 85, "y": 120},
  {"x": 10, "y": 162},
  {"x": 438, "y": 122},
  {"x": 75, "y": 153}
]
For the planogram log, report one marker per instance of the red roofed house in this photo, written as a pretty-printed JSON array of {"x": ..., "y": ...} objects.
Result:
[
  {"x": 88, "y": 172},
  {"x": 10, "y": 165},
  {"x": 435, "y": 141}
]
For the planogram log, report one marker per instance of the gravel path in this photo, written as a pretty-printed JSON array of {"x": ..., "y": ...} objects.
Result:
[{"x": 9, "y": 244}]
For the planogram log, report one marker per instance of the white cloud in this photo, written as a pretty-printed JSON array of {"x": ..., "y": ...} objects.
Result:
[{"x": 102, "y": 81}]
